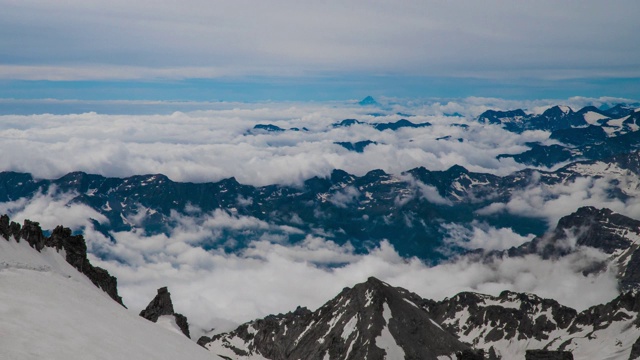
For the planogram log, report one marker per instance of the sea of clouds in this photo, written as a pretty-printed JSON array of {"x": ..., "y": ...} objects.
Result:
[{"x": 214, "y": 288}]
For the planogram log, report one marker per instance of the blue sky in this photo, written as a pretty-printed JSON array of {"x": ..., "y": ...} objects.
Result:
[{"x": 323, "y": 50}]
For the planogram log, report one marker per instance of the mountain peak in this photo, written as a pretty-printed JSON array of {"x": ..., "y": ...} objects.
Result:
[
  {"x": 371, "y": 320},
  {"x": 369, "y": 100}
]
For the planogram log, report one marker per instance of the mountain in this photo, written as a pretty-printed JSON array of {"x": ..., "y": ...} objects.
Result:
[
  {"x": 589, "y": 133},
  {"x": 270, "y": 128},
  {"x": 357, "y": 146},
  {"x": 73, "y": 247},
  {"x": 508, "y": 326},
  {"x": 372, "y": 320},
  {"x": 512, "y": 323},
  {"x": 407, "y": 209},
  {"x": 368, "y": 101},
  {"x": 402, "y": 123},
  {"x": 555, "y": 118},
  {"x": 52, "y": 310},
  {"x": 613, "y": 234}
]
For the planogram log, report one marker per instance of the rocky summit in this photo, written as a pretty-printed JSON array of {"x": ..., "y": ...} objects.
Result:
[
  {"x": 162, "y": 306},
  {"x": 372, "y": 320}
]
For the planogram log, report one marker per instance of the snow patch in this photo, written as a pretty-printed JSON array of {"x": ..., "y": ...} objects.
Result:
[{"x": 386, "y": 341}]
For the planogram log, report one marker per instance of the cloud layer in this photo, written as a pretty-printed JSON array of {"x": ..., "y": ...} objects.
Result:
[
  {"x": 271, "y": 275},
  {"x": 209, "y": 145},
  {"x": 198, "y": 39},
  {"x": 215, "y": 288}
]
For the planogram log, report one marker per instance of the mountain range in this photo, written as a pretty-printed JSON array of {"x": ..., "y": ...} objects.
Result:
[
  {"x": 408, "y": 210},
  {"x": 47, "y": 278},
  {"x": 371, "y": 320}
]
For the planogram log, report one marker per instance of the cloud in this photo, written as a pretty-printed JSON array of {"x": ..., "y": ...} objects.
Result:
[
  {"x": 553, "y": 202},
  {"x": 482, "y": 236},
  {"x": 211, "y": 145},
  {"x": 51, "y": 209},
  {"x": 271, "y": 278},
  {"x": 217, "y": 288},
  {"x": 201, "y": 39}
]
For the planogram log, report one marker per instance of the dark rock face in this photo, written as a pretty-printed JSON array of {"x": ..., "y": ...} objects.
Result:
[
  {"x": 353, "y": 326},
  {"x": 508, "y": 316},
  {"x": 580, "y": 136},
  {"x": 635, "y": 350},
  {"x": 540, "y": 155},
  {"x": 74, "y": 247},
  {"x": 357, "y": 146},
  {"x": 470, "y": 355},
  {"x": 268, "y": 127},
  {"x": 600, "y": 229},
  {"x": 399, "y": 124},
  {"x": 162, "y": 305},
  {"x": 548, "y": 355}
]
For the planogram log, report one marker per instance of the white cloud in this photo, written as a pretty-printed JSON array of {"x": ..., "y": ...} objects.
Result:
[
  {"x": 201, "y": 39},
  {"x": 214, "y": 287},
  {"x": 51, "y": 209},
  {"x": 483, "y": 236},
  {"x": 212, "y": 145},
  {"x": 555, "y": 201}
]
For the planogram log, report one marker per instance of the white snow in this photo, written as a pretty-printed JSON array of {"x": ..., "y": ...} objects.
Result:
[
  {"x": 224, "y": 348},
  {"x": 349, "y": 327},
  {"x": 410, "y": 302},
  {"x": 385, "y": 340},
  {"x": 51, "y": 311},
  {"x": 169, "y": 322},
  {"x": 593, "y": 117},
  {"x": 436, "y": 324},
  {"x": 369, "y": 297}
]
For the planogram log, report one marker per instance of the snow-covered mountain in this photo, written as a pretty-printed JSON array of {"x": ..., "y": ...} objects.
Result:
[
  {"x": 589, "y": 133},
  {"x": 374, "y": 316},
  {"x": 406, "y": 209},
  {"x": 49, "y": 309},
  {"x": 372, "y": 320}
]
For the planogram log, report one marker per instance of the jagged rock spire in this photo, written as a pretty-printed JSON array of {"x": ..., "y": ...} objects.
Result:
[{"x": 162, "y": 305}]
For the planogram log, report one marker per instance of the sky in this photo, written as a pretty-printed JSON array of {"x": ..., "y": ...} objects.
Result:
[
  {"x": 319, "y": 50},
  {"x": 121, "y": 88}
]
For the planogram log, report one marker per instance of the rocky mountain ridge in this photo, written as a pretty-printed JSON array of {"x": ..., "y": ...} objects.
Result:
[
  {"x": 407, "y": 209},
  {"x": 587, "y": 134},
  {"x": 502, "y": 327},
  {"x": 74, "y": 247}
]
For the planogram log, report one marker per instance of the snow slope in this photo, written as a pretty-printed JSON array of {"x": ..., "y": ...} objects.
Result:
[{"x": 49, "y": 310}]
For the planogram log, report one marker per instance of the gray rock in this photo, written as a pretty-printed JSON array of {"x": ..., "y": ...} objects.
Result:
[{"x": 162, "y": 305}]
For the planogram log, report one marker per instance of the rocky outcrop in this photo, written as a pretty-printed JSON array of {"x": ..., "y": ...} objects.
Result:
[
  {"x": 635, "y": 350},
  {"x": 162, "y": 305},
  {"x": 74, "y": 246},
  {"x": 470, "y": 355},
  {"x": 548, "y": 355}
]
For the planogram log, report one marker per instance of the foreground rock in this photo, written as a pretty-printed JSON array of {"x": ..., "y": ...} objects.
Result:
[
  {"x": 74, "y": 247},
  {"x": 161, "y": 308}
]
